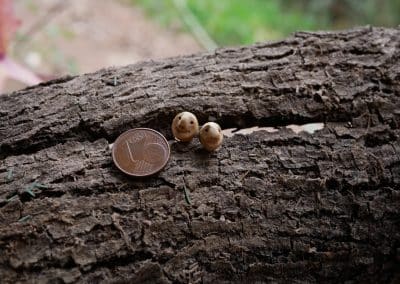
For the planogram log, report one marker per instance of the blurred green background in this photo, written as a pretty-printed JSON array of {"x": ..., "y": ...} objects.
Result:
[{"x": 230, "y": 22}]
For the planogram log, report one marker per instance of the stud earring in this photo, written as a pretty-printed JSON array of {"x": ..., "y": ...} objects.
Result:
[
  {"x": 211, "y": 136},
  {"x": 185, "y": 126}
]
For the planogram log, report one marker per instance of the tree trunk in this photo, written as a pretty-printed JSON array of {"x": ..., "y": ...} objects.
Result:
[{"x": 279, "y": 206}]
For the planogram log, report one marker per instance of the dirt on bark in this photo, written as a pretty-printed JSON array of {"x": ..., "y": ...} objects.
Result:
[{"x": 266, "y": 207}]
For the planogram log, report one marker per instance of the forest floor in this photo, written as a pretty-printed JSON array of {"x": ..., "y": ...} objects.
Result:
[{"x": 58, "y": 37}]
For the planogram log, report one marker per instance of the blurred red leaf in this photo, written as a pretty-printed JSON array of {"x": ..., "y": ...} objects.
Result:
[
  {"x": 8, "y": 24},
  {"x": 10, "y": 68}
]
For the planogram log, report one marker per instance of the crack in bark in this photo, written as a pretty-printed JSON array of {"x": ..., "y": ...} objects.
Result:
[{"x": 110, "y": 114}]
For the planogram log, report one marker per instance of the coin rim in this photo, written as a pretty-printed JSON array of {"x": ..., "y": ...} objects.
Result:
[{"x": 133, "y": 130}]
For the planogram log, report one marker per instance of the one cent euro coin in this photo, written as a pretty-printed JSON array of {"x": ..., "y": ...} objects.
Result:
[{"x": 140, "y": 152}]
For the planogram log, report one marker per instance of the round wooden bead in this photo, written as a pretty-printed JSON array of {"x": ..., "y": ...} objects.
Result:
[
  {"x": 185, "y": 126},
  {"x": 211, "y": 136}
]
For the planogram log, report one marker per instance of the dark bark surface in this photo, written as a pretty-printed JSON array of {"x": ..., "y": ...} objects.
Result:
[{"x": 276, "y": 206}]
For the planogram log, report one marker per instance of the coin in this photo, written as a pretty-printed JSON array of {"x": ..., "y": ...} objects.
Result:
[{"x": 140, "y": 152}]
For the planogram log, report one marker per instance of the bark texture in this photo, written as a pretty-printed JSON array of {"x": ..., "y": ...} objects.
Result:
[{"x": 279, "y": 206}]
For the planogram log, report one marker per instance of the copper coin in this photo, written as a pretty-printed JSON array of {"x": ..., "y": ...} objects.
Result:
[{"x": 140, "y": 152}]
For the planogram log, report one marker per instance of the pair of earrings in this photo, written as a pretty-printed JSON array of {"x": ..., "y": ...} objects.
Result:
[{"x": 185, "y": 127}]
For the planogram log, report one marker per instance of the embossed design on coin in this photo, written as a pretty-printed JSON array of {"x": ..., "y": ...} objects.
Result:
[{"x": 140, "y": 152}]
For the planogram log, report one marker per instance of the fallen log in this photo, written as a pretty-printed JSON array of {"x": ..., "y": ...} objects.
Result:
[{"x": 280, "y": 206}]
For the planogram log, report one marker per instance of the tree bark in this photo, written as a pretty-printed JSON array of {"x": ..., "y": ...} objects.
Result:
[{"x": 280, "y": 206}]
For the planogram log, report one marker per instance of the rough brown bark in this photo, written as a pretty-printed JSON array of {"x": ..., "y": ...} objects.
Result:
[{"x": 277, "y": 206}]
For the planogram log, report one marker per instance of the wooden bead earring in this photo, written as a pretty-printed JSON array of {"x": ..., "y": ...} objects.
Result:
[
  {"x": 185, "y": 126},
  {"x": 211, "y": 136}
]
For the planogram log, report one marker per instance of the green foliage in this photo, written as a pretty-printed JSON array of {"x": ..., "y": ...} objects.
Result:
[
  {"x": 246, "y": 21},
  {"x": 238, "y": 21},
  {"x": 234, "y": 21}
]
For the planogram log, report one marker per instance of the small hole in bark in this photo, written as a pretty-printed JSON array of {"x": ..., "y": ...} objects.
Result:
[
  {"x": 332, "y": 184},
  {"x": 68, "y": 262},
  {"x": 317, "y": 98},
  {"x": 80, "y": 172},
  {"x": 25, "y": 196}
]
